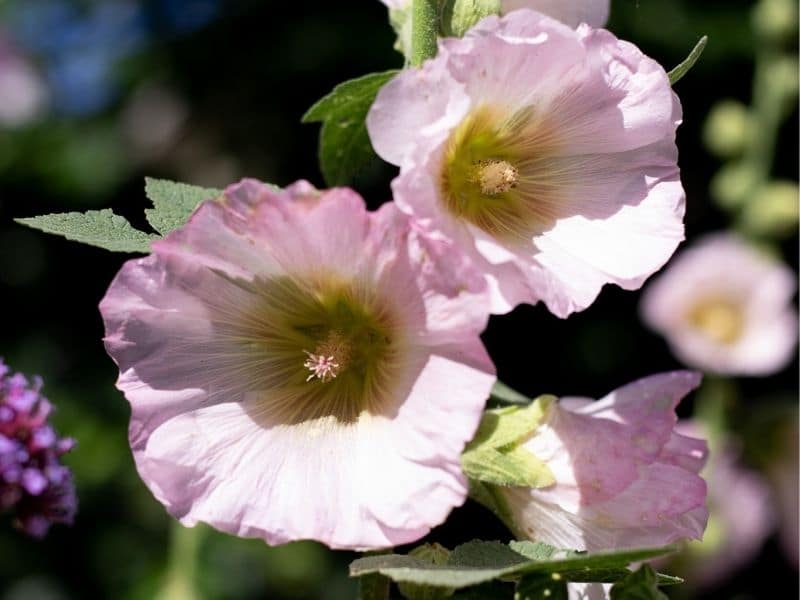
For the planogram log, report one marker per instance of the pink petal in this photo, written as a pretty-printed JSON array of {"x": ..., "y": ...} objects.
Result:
[{"x": 571, "y": 12}]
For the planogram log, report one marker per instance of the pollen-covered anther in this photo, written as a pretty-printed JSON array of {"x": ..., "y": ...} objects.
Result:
[
  {"x": 329, "y": 358},
  {"x": 496, "y": 176}
]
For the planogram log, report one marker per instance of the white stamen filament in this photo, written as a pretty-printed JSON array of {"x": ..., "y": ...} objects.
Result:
[
  {"x": 322, "y": 367},
  {"x": 328, "y": 358}
]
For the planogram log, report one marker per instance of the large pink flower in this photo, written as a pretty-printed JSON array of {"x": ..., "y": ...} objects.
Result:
[
  {"x": 295, "y": 371},
  {"x": 571, "y": 12},
  {"x": 624, "y": 476},
  {"x": 547, "y": 153},
  {"x": 725, "y": 307}
]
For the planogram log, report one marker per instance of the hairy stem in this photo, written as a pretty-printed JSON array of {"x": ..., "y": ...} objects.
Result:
[{"x": 424, "y": 28}]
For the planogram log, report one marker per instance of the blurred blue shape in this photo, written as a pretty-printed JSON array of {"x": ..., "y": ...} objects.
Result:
[
  {"x": 79, "y": 50},
  {"x": 81, "y": 82},
  {"x": 80, "y": 45},
  {"x": 184, "y": 16}
]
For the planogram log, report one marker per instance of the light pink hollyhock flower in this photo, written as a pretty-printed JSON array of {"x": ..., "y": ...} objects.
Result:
[
  {"x": 784, "y": 473},
  {"x": 571, "y": 12},
  {"x": 547, "y": 153},
  {"x": 624, "y": 476},
  {"x": 741, "y": 517},
  {"x": 725, "y": 307},
  {"x": 294, "y": 372}
]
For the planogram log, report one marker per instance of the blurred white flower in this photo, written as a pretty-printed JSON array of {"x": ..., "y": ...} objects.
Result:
[
  {"x": 23, "y": 92},
  {"x": 153, "y": 119},
  {"x": 725, "y": 307}
]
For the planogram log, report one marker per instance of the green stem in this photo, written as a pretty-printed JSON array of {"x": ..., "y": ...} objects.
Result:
[
  {"x": 769, "y": 100},
  {"x": 767, "y": 111},
  {"x": 424, "y": 21},
  {"x": 180, "y": 581}
]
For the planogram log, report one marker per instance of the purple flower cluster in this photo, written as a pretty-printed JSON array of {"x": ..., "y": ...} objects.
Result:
[{"x": 33, "y": 483}]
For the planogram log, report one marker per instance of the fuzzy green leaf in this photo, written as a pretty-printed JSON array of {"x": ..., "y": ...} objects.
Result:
[
  {"x": 678, "y": 72},
  {"x": 101, "y": 228},
  {"x": 344, "y": 146},
  {"x": 570, "y": 561},
  {"x": 639, "y": 585},
  {"x": 479, "y": 562},
  {"x": 434, "y": 554},
  {"x": 173, "y": 202},
  {"x": 480, "y": 554}
]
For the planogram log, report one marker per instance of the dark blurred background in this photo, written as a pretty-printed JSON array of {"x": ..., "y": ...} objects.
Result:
[{"x": 205, "y": 91}]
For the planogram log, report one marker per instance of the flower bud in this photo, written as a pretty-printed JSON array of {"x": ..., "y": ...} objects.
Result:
[{"x": 728, "y": 128}]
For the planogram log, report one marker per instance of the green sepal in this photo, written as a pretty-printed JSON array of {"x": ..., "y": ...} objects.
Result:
[
  {"x": 458, "y": 16},
  {"x": 495, "y": 455},
  {"x": 503, "y": 394},
  {"x": 679, "y": 71}
]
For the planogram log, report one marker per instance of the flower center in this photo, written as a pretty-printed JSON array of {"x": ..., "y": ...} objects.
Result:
[
  {"x": 329, "y": 357},
  {"x": 720, "y": 320},
  {"x": 311, "y": 349},
  {"x": 495, "y": 176},
  {"x": 499, "y": 173}
]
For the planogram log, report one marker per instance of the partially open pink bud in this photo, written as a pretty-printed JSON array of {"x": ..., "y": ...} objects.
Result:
[{"x": 624, "y": 476}]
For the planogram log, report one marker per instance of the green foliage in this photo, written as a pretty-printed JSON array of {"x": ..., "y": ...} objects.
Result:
[
  {"x": 515, "y": 467},
  {"x": 503, "y": 394},
  {"x": 640, "y": 585},
  {"x": 542, "y": 587},
  {"x": 373, "y": 587},
  {"x": 679, "y": 71},
  {"x": 344, "y": 145},
  {"x": 101, "y": 228},
  {"x": 480, "y": 562},
  {"x": 434, "y": 554},
  {"x": 503, "y": 427},
  {"x": 457, "y": 16},
  {"x": 173, "y": 202},
  {"x": 493, "y": 590},
  {"x": 495, "y": 455}
]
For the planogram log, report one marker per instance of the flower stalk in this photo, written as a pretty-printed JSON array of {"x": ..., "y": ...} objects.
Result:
[
  {"x": 180, "y": 583},
  {"x": 424, "y": 20}
]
